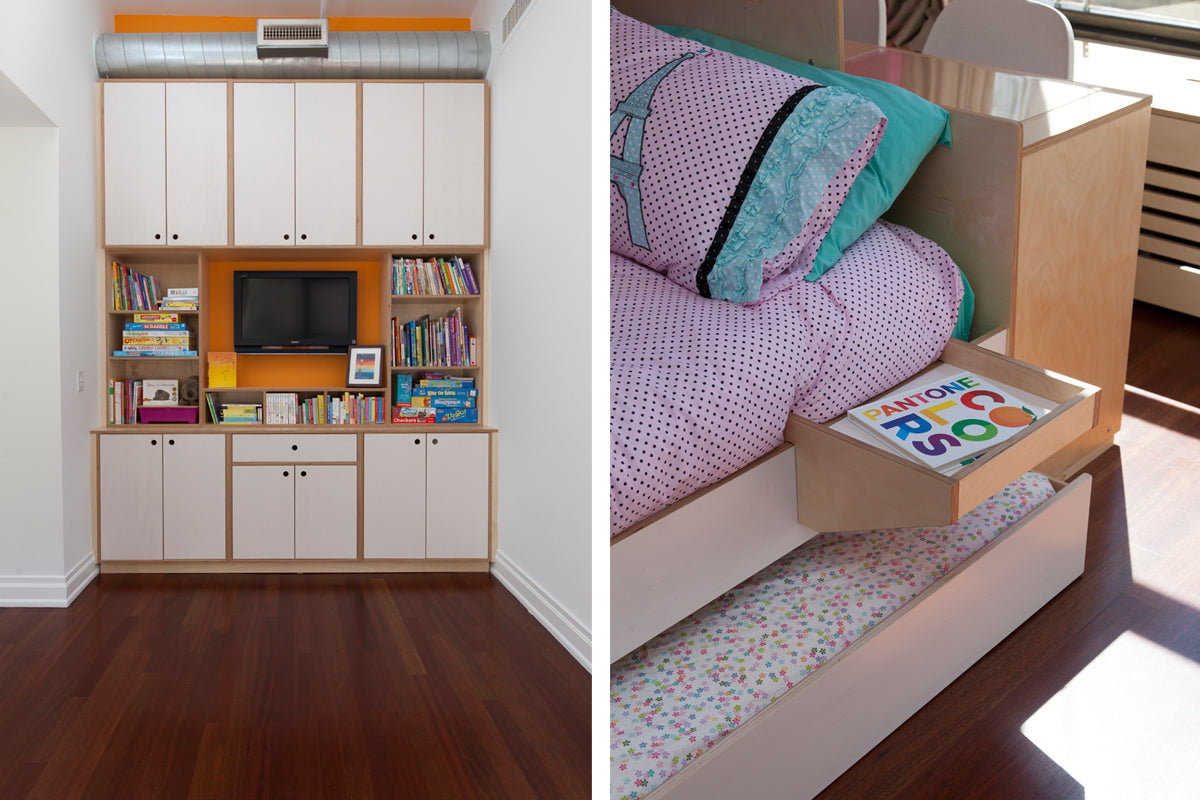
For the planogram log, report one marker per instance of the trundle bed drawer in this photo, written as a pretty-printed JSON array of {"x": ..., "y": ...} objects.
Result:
[
  {"x": 825, "y": 720},
  {"x": 845, "y": 483}
]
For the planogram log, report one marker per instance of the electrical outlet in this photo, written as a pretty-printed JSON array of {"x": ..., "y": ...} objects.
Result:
[{"x": 79, "y": 381}]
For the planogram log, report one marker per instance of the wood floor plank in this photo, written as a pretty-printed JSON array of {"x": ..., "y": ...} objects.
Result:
[{"x": 338, "y": 686}]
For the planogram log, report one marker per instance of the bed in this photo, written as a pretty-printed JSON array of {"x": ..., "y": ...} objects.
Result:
[{"x": 681, "y": 541}]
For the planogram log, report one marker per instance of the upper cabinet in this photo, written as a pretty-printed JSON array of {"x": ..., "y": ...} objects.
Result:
[
  {"x": 424, "y": 163},
  {"x": 307, "y": 159},
  {"x": 295, "y": 163},
  {"x": 165, "y": 164}
]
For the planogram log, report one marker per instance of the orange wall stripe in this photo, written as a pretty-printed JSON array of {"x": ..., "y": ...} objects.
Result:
[{"x": 165, "y": 23}]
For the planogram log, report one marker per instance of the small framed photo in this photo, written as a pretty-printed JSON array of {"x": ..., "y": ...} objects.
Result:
[{"x": 366, "y": 367}]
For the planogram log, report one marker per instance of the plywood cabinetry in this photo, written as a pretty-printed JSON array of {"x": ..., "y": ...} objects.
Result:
[{"x": 165, "y": 161}]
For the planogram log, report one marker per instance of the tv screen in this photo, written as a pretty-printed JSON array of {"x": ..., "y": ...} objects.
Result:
[{"x": 291, "y": 311}]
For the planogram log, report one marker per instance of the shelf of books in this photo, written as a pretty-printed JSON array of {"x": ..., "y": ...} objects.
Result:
[
  {"x": 295, "y": 406},
  {"x": 152, "y": 330},
  {"x": 435, "y": 318}
]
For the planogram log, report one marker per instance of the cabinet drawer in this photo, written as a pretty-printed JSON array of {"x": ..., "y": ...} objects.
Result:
[
  {"x": 295, "y": 448},
  {"x": 844, "y": 483}
]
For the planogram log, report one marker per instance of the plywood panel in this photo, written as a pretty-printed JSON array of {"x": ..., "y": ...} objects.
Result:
[
  {"x": 1072, "y": 300},
  {"x": 806, "y": 30},
  {"x": 965, "y": 199}
]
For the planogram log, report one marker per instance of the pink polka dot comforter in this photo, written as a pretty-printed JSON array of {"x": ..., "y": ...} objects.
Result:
[
  {"x": 701, "y": 388},
  {"x": 674, "y": 698}
]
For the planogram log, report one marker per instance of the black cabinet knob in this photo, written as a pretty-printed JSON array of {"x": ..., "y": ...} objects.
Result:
[
  {"x": 158, "y": 236},
  {"x": 171, "y": 442},
  {"x": 153, "y": 442},
  {"x": 304, "y": 236},
  {"x": 287, "y": 236},
  {"x": 303, "y": 473},
  {"x": 435, "y": 441},
  {"x": 414, "y": 236},
  {"x": 431, "y": 237},
  {"x": 295, "y": 447},
  {"x": 285, "y": 473},
  {"x": 174, "y": 235}
]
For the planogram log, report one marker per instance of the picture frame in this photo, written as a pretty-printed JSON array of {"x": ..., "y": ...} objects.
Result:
[{"x": 365, "y": 366}]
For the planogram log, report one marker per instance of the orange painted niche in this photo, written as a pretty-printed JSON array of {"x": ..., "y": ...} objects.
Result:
[{"x": 289, "y": 371}]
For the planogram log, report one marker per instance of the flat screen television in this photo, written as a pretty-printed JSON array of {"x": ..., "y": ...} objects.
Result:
[{"x": 281, "y": 311}]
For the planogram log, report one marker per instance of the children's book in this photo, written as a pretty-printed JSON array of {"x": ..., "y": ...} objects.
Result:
[
  {"x": 222, "y": 369},
  {"x": 946, "y": 421}
]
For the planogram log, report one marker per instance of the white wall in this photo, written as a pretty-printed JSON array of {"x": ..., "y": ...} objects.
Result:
[
  {"x": 45, "y": 534},
  {"x": 540, "y": 266}
]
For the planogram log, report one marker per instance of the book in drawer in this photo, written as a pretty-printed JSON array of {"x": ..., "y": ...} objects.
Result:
[{"x": 846, "y": 483}]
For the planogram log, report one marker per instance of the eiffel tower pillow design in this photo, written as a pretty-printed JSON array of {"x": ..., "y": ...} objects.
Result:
[{"x": 725, "y": 173}]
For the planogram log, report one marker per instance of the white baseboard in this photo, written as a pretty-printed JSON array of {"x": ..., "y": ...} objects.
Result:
[
  {"x": 569, "y": 631},
  {"x": 47, "y": 591}
]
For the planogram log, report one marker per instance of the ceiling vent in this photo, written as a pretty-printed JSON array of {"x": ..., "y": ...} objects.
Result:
[{"x": 284, "y": 38}]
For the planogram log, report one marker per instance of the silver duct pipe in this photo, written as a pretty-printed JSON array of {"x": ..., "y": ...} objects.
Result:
[{"x": 374, "y": 55}]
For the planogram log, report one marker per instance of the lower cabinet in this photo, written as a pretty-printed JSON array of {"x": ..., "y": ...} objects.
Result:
[
  {"x": 162, "y": 496},
  {"x": 426, "y": 495},
  {"x": 295, "y": 511}
]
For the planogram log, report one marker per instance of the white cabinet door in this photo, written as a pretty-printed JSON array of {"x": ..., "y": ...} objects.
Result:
[
  {"x": 197, "y": 165},
  {"x": 135, "y": 162},
  {"x": 456, "y": 495},
  {"x": 326, "y": 163},
  {"x": 393, "y": 155},
  {"x": 455, "y": 163},
  {"x": 264, "y": 163},
  {"x": 264, "y": 512},
  {"x": 131, "y": 499},
  {"x": 394, "y": 496},
  {"x": 193, "y": 494},
  {"x": 326, "y": 511}
]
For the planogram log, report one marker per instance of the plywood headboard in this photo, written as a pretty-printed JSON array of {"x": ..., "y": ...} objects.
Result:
[{"x": 805, "y": 30}]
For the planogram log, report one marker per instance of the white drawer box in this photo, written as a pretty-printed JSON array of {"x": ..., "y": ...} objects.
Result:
[{"x": 295, "y": 448}]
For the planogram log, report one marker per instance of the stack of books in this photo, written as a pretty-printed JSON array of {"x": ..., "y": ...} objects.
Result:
[
  {"x": 155, "y": 335},
  {"x": 184, "y": 299},
  {"x": 412, "y": 276},
  {"x": 239, "y": 413},
  {"x": 133, "y": 291},
  {"x": 441, "y": 342},
  {"x": 435, "y": 398}
]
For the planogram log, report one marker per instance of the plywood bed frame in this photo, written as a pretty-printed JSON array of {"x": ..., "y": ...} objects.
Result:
[{"x": 674, "y": 562}]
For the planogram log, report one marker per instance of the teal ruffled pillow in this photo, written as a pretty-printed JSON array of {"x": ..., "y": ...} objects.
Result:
[{"x": 915, "y": 126}]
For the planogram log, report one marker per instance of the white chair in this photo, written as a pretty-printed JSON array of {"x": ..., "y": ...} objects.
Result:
[
  {"x": 1018, "y": 35},
  {"x": 865, "y": 21}
]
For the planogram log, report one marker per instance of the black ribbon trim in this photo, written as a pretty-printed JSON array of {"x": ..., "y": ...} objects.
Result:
[{"x": 743, "y": 186}]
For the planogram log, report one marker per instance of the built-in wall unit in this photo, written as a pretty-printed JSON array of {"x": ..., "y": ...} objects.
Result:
[{"x": 293, "y": 320}]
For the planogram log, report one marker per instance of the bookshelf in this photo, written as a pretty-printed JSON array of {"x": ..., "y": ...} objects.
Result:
[{"x": 316, "y": 379}]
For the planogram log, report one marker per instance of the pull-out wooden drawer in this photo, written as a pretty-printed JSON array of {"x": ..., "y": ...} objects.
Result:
[{"x": 843, "y": 482}]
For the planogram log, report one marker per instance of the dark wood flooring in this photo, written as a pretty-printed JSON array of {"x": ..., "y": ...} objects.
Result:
[
  {"x": 290, "y": 686},
  {"x": 1097, "y": 695}
]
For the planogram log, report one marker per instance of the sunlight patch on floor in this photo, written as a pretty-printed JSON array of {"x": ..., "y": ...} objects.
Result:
[{"x": 1127, "y": 725}]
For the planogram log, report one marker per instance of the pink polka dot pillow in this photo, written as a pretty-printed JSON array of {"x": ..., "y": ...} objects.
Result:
[{"x": 725, "y": 172}]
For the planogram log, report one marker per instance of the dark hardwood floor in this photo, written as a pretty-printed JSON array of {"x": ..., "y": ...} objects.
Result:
[
  {"x": 1097, "y": 695},
  {"x": 290, "y": 686}
]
